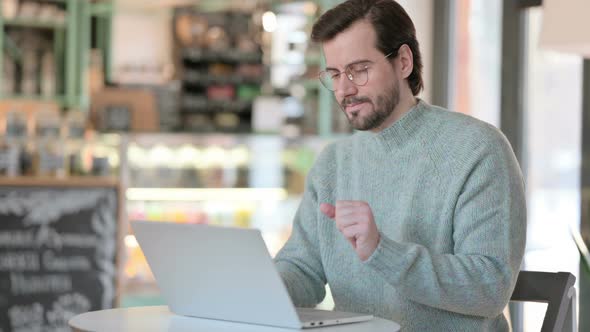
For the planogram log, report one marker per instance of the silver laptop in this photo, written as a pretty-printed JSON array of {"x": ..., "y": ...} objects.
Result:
[{"x": 225, "y": 274}]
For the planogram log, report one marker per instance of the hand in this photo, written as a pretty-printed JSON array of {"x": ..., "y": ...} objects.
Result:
[{"x": 355, "y": 221}]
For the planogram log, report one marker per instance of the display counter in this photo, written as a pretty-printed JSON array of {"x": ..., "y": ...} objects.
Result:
[{"x": 218, "y": 179}]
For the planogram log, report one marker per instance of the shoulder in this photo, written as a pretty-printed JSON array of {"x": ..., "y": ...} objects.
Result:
[
  {"x": 460, "y": 131},
  {"x": 458, "y": 142}
]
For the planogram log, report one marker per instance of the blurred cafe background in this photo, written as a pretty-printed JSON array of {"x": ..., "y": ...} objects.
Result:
[{"x": 210, "y": 112}]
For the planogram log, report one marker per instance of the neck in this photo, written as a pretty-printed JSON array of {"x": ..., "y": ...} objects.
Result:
[{"x": 406, "y": 102}]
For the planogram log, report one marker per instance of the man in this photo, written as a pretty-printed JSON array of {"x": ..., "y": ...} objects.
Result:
[{"x": 420, "y": 217}]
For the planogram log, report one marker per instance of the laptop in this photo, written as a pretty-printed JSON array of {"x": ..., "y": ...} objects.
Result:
[{"x": 225, "y": 274}]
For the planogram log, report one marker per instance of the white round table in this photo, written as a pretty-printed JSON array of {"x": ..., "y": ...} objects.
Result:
[{"x": 159, "y": 318}]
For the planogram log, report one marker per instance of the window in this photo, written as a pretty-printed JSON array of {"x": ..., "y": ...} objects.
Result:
[
  {"x": 476, "y": 59},
  {"x": 553, "y": 112}
]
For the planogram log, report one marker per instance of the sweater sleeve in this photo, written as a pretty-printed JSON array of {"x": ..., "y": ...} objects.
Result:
[
  {"x": 489, "y": 231},
  {"x": 299, "y": 261}
]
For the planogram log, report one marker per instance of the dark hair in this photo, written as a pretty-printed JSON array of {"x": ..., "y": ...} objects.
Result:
[{"x": 392, "y": 24}]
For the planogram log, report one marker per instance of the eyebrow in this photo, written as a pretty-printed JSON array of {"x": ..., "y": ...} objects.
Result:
[{"x": 350, "y": 64}]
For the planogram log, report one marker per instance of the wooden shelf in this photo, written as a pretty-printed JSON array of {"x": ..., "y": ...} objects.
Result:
[
  {"x": 200, "y": 104},
  {"x": 32, "y": 23},
  {"x": 56, "y": 99},
  {"x": 199, "y": 78},
  {"x": 72, "y": 181},
  {"x": 232, "y": 56}
]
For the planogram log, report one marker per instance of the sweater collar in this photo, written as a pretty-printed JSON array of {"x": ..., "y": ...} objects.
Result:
[{"x": 403, "y": 129}]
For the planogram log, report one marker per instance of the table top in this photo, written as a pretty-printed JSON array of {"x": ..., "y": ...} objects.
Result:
[{"x": 159, "y": 318}]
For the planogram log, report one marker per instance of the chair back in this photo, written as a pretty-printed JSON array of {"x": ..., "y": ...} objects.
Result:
[{"x": 555, "y": 289}]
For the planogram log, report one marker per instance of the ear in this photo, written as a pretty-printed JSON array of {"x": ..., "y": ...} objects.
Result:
[{"x": 406, "y": 58}]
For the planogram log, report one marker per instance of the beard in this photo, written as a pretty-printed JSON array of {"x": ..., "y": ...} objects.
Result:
[{"x": 383, "y": 107}]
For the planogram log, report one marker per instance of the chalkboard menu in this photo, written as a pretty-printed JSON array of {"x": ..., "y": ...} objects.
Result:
[{"x": 57, "y": 255}]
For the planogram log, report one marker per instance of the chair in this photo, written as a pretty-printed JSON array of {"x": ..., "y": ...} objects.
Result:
[{"x": 555, "y": 289}]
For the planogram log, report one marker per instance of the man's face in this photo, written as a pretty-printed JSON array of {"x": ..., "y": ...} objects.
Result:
[{"x": 368, "y": 106}]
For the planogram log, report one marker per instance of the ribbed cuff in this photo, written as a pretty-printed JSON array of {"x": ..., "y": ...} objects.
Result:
[{"x": 388, "y": 258}]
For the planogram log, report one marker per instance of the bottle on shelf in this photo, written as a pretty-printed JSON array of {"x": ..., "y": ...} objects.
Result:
[
  {"x": 30, "y": 68},
  {"x": 48, "y": 75},
  {"x": 9, "y": 76},
  {"x": 12, "y": 143},
  {"x": 77, "y": 164},
  {"x": 48, "y": 156}
]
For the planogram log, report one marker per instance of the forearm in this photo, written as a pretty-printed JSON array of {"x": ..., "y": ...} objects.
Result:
[
  {"x": 468, "y": 284},
  {"x": 301, "y": 269},
  {"x": 306, "y": 288},
  {"x": 299, "y": 261}
]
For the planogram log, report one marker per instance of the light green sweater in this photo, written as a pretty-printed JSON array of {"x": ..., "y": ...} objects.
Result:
[{"x": 448, "y": 199}]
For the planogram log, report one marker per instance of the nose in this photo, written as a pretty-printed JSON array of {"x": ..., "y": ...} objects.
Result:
[{"x": 344, "y": 88}]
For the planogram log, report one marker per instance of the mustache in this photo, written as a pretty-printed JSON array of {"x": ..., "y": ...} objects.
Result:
[{"x": 354, "y": 100}]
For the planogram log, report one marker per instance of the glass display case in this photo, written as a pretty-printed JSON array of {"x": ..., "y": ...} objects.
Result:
[{"x": 226, "y": 180}]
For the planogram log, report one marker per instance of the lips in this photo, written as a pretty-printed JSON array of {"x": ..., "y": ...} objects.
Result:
[
  {"x": 354, "y": 104},
  {"x": 354, "y": 108}
]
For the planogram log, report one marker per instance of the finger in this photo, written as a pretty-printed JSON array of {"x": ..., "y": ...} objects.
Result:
[
  {"x": 349, "y": 235},
  {"x": 344, "y": 209},
  {"x": 352, "y": 242},
  {"x": 350, "y": 203},
  {"x": 352, "y": 232},
  {"x": 348, "y": 211},
  {"x": 343, "y": 204},
  {"x": 349, "y": 217},
  {"x": 328, "y": 209},
  {"x": 348, "y": 220}
]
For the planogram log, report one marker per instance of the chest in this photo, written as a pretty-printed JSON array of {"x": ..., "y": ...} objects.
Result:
[{"x": 409, "y": 199}]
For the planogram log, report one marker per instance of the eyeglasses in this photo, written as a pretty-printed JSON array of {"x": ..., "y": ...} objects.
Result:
[{"x": 357, "y": 73}]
